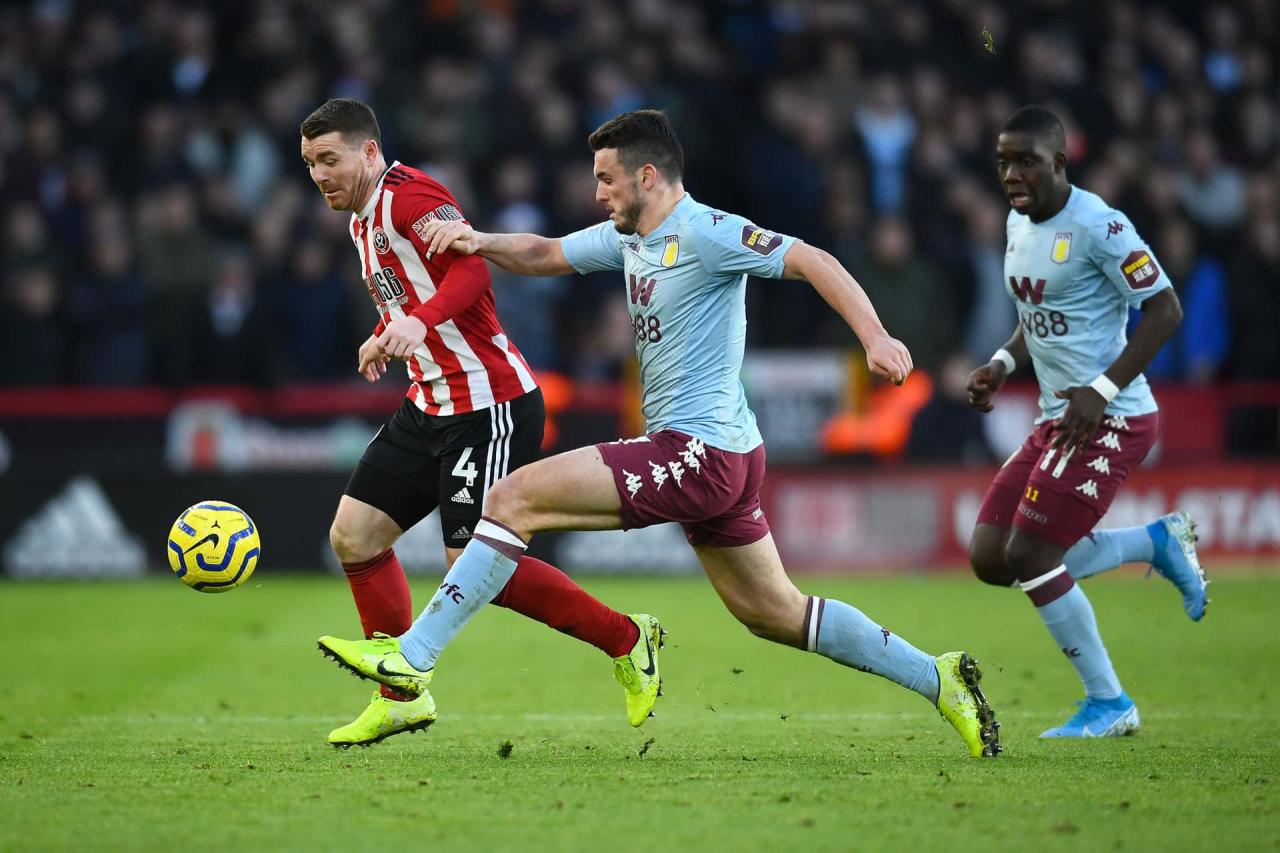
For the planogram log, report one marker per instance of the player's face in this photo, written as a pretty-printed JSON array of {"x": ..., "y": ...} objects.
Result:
[
  {"x": 337, "y": 168},
  {"x": 618, "y": 190},
  {"x": 1028, "y": 172}
]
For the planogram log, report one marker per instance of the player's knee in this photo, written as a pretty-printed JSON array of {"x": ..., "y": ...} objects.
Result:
[
  {"x": 762, "y": 626},
  {"x": 1027, "y": 558},
  {"x": 506, "y": 502},
  {"x": 348, "y": 544},
  {"x": 989, "y": 565},
  {"x": 778, "y": 624},
  {"x": 986, "y": 555}
]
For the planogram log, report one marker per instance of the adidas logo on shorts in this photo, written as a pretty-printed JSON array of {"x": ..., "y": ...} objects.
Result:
[{"x": 462, "y": 497}]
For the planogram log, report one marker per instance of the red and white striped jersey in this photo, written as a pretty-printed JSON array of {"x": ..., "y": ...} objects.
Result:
[{"x": 466, "y": 363}]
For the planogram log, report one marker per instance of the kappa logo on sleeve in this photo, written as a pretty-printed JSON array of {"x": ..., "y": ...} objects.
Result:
[
  {"x": 1140, "y": 269},
  {"x": 760, "y": 240}
]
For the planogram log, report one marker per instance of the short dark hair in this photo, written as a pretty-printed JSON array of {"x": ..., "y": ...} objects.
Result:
[
  {"x": 642, "y": 136},
  {"x": 353, "y": 119},
  {"x": 1038, "y": 122}
]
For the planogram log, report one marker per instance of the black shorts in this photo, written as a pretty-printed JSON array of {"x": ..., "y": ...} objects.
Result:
[{"x": 418, "y": 462}]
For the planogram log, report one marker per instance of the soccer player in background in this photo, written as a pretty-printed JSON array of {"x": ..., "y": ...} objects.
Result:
[
  {"x": 702, "y": 460},
  {"x": 1074, "y": 267},
  {"x": 473, "y": 413}
]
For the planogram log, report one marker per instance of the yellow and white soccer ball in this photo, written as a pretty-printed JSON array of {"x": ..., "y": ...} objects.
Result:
[{"x": 213, "y": 546}]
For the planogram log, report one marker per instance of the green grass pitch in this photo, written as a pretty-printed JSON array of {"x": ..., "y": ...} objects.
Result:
[{"x": 146, "y": 717}]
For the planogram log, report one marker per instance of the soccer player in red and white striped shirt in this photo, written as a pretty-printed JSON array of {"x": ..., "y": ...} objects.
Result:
[{"x": 472, "y": 414}]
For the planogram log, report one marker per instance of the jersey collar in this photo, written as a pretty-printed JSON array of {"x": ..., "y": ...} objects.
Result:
[
  {"x": 684, "y": 201},
  {"x": 373, "y": 196},
  {"x": 1072, "y": 194}
]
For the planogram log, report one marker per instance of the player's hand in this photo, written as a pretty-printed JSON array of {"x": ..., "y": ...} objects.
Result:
[
  {"x": 984, "y": 383},
  {"x": 1079, "y": 423},
  {"x": 373, "y": 360},
  {"x": 888, "y": 357},
  {"x": 402, "y": 337},
  {"x": 443, "y": 235}
]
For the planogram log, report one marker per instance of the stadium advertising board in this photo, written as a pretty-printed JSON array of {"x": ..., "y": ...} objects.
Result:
[
  {"x": 922, "y": 518},
  {"x": 90, "y": 482}
]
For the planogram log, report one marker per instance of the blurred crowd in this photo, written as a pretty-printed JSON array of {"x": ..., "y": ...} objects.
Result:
[{"x": 159, "y": 226}]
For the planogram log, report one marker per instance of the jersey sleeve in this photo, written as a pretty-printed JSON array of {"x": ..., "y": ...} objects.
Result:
[
  {"x": 593, "y": 249},
  {"x": 417, "y": 203},
  {"x": 730, "y": 244},
  {"x": 1125, "y": 259},
  {"x": 462, "y": 279}
]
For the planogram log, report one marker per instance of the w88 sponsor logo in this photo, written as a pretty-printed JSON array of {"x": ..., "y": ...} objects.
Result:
[
  {"x": 648, "y": 328},
  {"x": 1044, "y": 324}
]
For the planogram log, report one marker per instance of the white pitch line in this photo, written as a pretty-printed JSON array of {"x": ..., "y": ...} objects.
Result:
[{"x": 681, "y": 716}]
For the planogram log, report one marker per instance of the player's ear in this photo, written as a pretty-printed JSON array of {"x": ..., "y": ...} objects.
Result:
[{"x": 648, "y": 176}]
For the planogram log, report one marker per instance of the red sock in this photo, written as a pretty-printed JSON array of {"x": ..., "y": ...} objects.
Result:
[
  {"x": 382, "y": 597},
  {"x": 541, "y": 591}
]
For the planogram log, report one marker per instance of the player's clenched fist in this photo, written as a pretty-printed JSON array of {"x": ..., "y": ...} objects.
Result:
[
  {"x": 402, "y": 337},
  {"x": 441, "y": 235},
  {"x": 984, "y": 383},
  {"x": 373, "y": 360},
  {"x": 889, "y": 357}
]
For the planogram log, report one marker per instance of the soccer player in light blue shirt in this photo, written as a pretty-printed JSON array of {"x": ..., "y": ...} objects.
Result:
[
  {"x": 1074, "y": 266},
  {"x": 684, "y": 266}
]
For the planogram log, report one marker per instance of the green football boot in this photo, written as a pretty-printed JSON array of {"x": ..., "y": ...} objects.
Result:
[
  {"x": 637, "y": 670},
  {"x": 961, "y": 703},
  {"x": 378, "y": 659},
  {"x": 383, "y": 718}
]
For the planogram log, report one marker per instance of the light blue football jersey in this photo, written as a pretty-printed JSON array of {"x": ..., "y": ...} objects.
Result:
[
  {"x": 1073, "y": 279},
  {"x": 686, "y": 293}
]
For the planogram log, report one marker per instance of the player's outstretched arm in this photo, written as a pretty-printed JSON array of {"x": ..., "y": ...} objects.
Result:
[
  {"x": 525, "y": 254},
  {"x": 886, "y": 356},
  {"x": 1161, "y": 316},
  {"x": 989, "y": 378}
]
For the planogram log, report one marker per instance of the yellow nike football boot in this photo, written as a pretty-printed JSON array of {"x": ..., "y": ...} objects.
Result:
[
  {"x": 961, "y": 703},
  {"x": 383, "y": 718},
  {"x": 637, "y": 670},
  {"x": 378, "y": 659}
]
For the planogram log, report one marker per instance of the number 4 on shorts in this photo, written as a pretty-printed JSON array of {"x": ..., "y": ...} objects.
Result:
[{"x": 466, "y": 468}]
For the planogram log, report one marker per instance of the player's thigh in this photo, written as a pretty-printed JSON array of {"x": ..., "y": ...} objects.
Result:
[
  {"x": 478, "y": 450},
  {"x": 1029, "y": 554},
  {"x": 1070, "y": 490},
  {"x": 672, "y": 476},
  {"x": 754, "y": 586},
  {"x": 574, "y": 490},
  {"x": 361, "y": 531},
  {"x": 1000, "y": 503},
  {"x": 395, "y": 475},
  {"x": 986, "y": 554}
]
